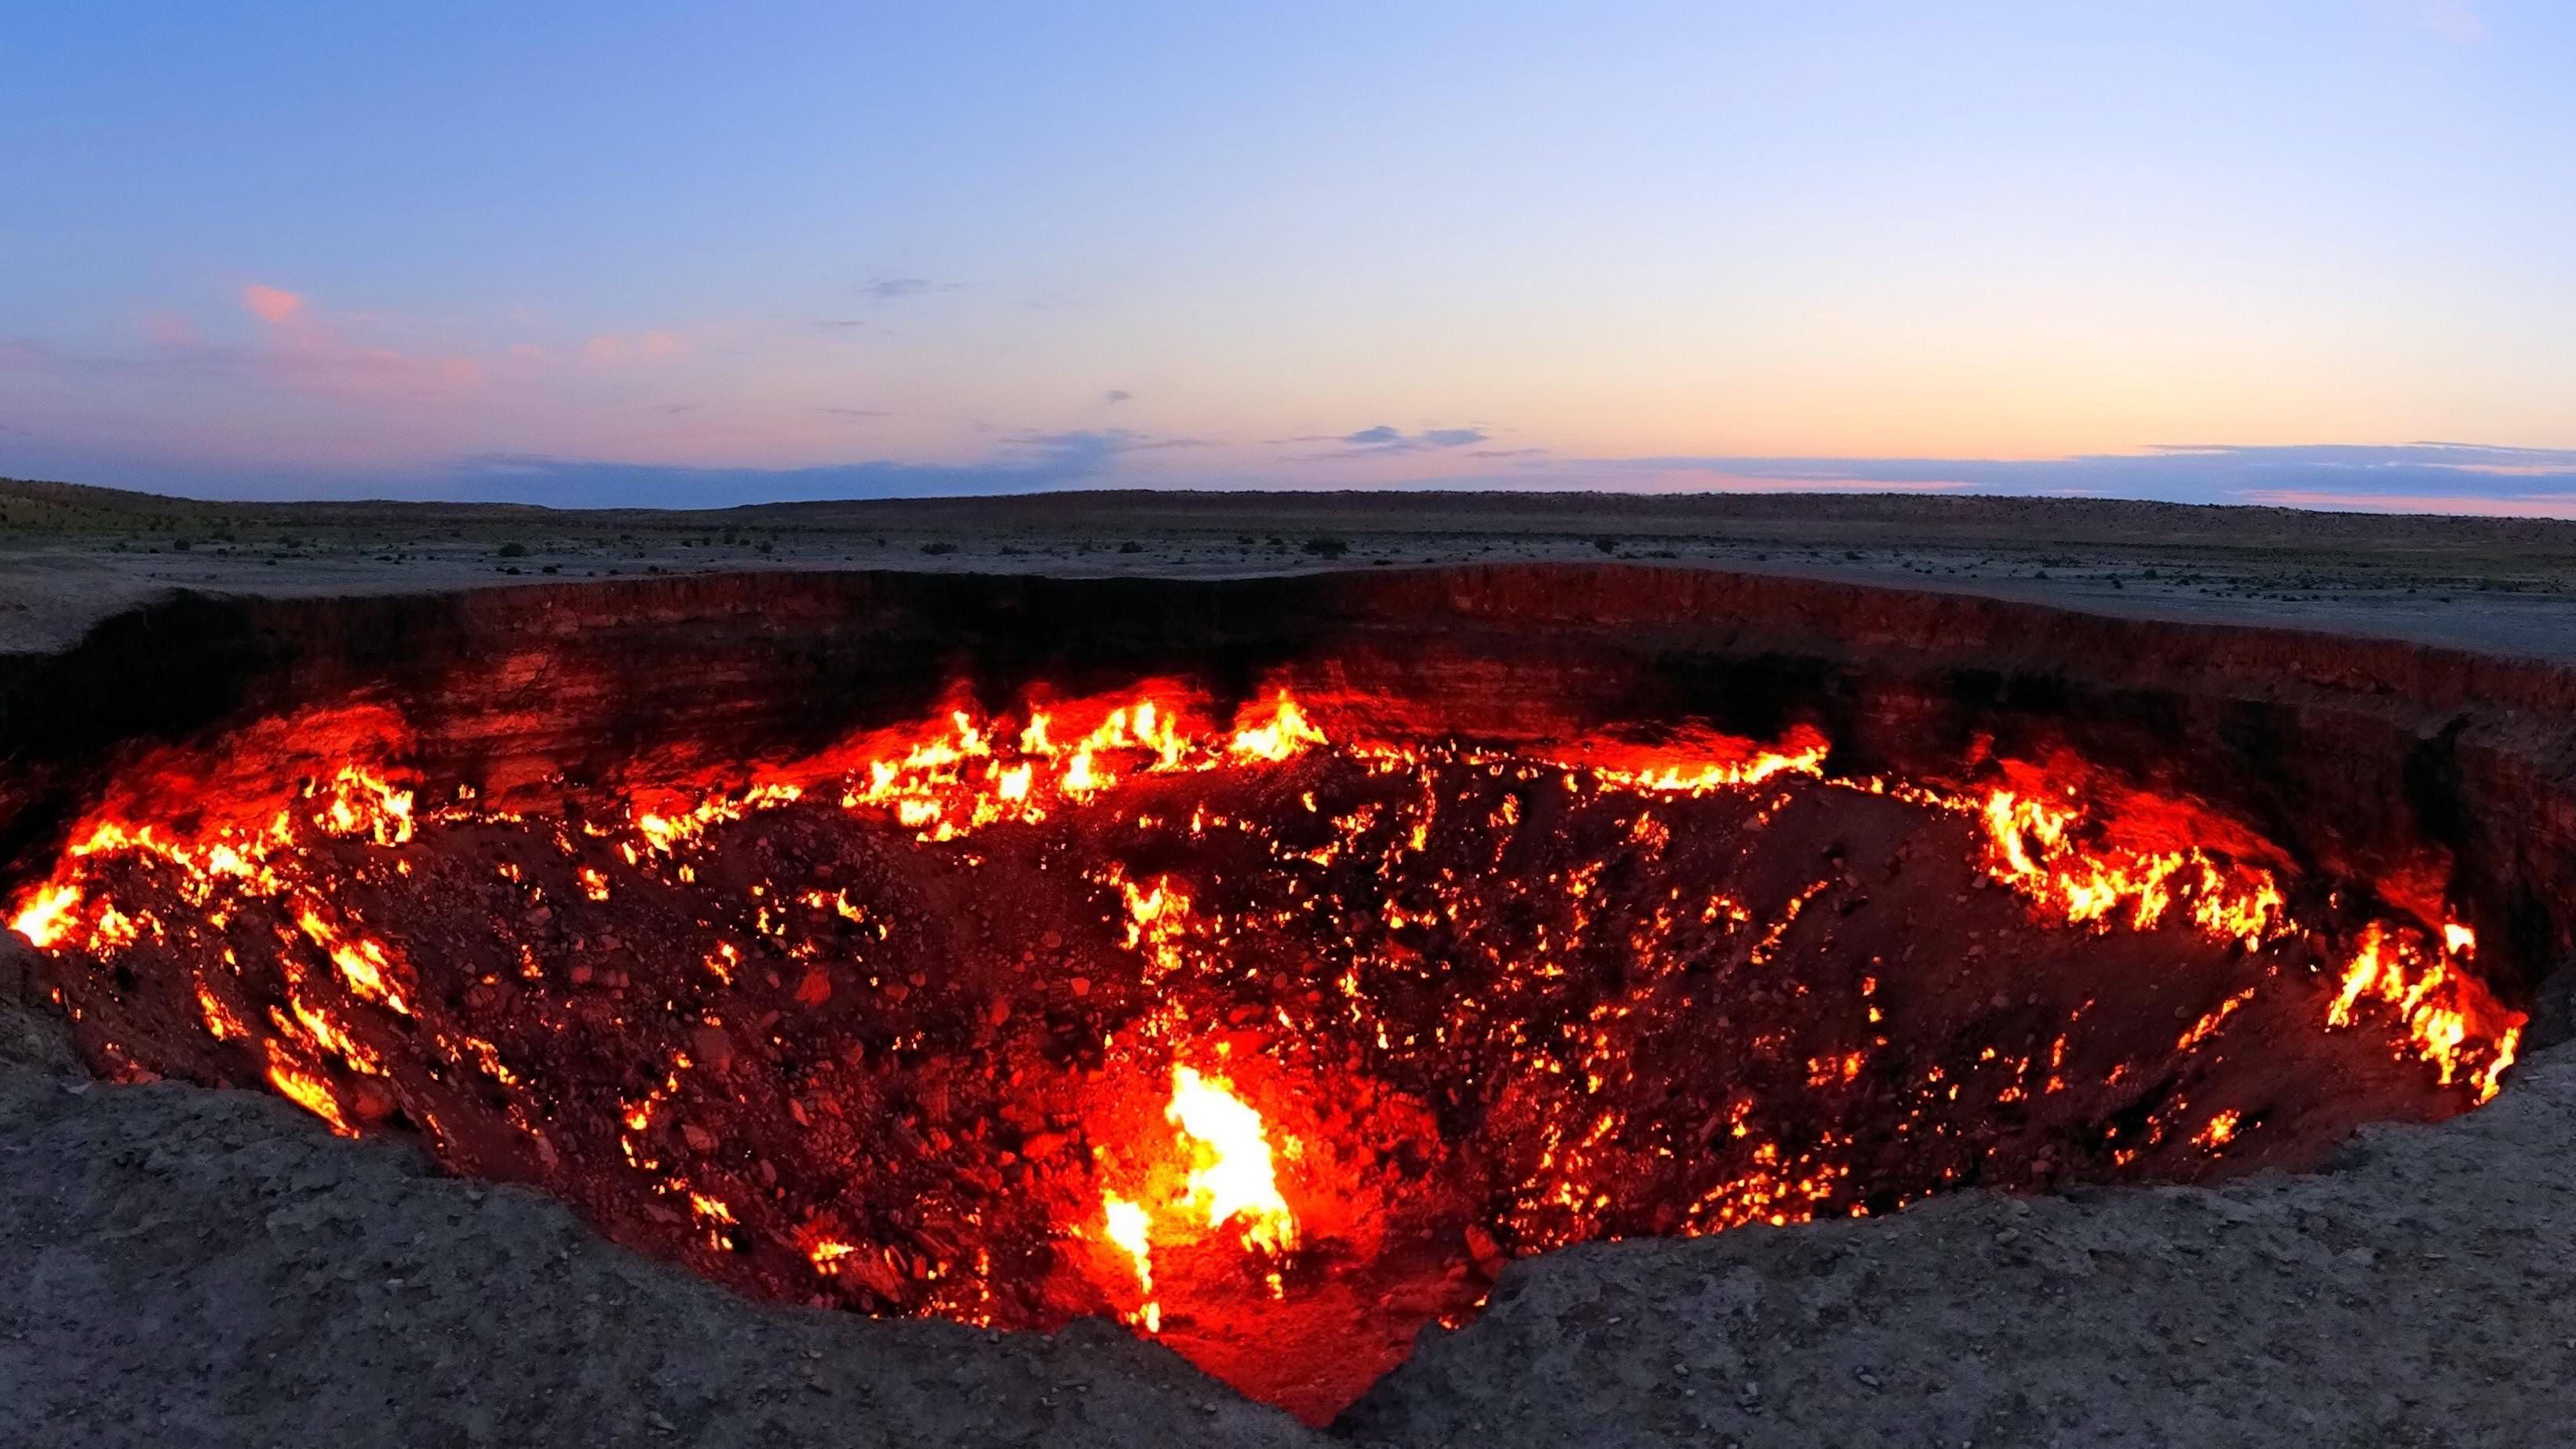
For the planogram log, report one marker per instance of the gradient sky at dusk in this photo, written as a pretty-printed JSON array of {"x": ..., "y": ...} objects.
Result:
[{"x": 586, "y": 253}]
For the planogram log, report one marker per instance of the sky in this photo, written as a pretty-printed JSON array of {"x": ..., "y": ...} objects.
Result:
[{"x": 2314, "y": 252}]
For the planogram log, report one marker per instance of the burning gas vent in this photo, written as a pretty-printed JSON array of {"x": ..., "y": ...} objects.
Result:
[{"x": 1269, "y": 1028}]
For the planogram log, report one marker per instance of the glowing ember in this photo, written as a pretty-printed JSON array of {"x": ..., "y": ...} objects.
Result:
[
  {"x": 2220, "y": 1131},
  {"x": 305, "y": 1089}
]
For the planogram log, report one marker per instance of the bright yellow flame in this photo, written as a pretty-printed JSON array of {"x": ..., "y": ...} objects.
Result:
[
  {"x": 46, "y": 917},
  {"x": 1130, "y": 1228},
  {"x": 306, "y": 1090},
  {"x": 1233, "y": 1178},
  {"x": 1286, "y": 734}
]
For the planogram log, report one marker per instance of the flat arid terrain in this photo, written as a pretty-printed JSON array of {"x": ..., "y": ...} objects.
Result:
[{"x": 69, "y": 554}]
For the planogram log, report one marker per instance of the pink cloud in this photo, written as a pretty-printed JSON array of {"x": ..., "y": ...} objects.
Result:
[
  {"x": 271, "y": 305},
  {"x": 330, "y": 368},
  {"x": 329, "y": 353}
]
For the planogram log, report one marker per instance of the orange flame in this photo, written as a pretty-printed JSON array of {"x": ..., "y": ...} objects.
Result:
[
  {"x": 1131, "y": 1228},
  {"x": 1285, "y": 734},
  {"x": 46, "y": 918},
  {"x": 1233, "y": 1177},
  {"x": 1231, "y": 1180}
]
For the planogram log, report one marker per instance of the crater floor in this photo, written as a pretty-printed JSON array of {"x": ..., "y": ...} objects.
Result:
[
  {"x": 306, "y": 1290},
  {"x": 918, "y": 1044}
]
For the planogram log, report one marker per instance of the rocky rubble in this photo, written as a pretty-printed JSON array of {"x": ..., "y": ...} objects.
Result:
[
  {"x": 2415, "y": 1294},
  {"x": 189, "y": 1267},
  {"x": 186, "y": 1266}
]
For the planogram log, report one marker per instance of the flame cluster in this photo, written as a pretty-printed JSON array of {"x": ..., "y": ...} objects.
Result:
[
  {"x": 977, "y": 774},
  {"x": 2448, "y": 1019},
  {"x": 1562, "y": 925},
  {"x": 355, "y": 803},
  {"x": 1223, "y": 1148}
]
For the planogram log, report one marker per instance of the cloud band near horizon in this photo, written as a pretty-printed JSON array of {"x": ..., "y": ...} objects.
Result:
[{"x": 2459, "y": 478}]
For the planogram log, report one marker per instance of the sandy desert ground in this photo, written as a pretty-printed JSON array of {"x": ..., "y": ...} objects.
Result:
[{"x": 70, "y": 555}]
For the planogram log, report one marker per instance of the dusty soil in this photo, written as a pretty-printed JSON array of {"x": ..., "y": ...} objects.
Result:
[
  {"x": 2417, "y": 1294},
  {"x": 211, "y": 1268},
  {"x": 186, "y": 1267},
  {"x": 70, "y": 555}
]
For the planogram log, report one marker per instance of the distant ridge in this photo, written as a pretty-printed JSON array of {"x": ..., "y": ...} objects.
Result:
[{"x": 29, "y": 506}]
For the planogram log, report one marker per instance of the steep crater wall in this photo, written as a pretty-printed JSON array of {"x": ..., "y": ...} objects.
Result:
[{"x": 2442, "y": 778}]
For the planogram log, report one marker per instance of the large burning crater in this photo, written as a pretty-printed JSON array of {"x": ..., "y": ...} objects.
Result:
[{"x": 1267, "y": 996}]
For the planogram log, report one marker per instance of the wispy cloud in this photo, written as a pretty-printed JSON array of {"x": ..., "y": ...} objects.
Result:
[
  {"x": 171, "y": 331},
  {"x": 1109, "y": 441},
  {"x": 838, "y": 324},
  {"x": 1117, "y": 395},
  {"x": 1035, "y": 464},
  {"x": 293, "y": 341},
  {"x": 855, "y": 412},
  {"x": 1383, "y": 439},
  {"x": 2411, "y": 476},
  {"x": 313, "y": 351},
  {"x": 674, "y": 409},
  {"x": 889, "y": 289}
]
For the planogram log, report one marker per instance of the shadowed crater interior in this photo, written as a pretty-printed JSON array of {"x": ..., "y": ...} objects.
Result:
[{"x": 1264, "y": 964}]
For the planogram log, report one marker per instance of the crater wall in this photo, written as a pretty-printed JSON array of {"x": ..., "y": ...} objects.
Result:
[{"x": 2447, "y": 780}]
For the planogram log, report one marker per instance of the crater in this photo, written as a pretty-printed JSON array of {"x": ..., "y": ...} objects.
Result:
[{"x": 1265, "y": 964}]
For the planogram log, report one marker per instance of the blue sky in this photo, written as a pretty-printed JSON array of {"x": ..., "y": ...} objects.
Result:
[{"x": 597, "y": 254}]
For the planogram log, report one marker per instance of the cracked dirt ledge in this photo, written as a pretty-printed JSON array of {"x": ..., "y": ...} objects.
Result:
[
  {"x": 180, "y": 1266},
  {"x": 184, "y": 1266},
  {"x": 2416, "y": 1294}
]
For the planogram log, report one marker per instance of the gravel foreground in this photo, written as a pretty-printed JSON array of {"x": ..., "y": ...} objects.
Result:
[
  {"x": 186, "y": 1267},
  {"x": 189, "y": 1267}
]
